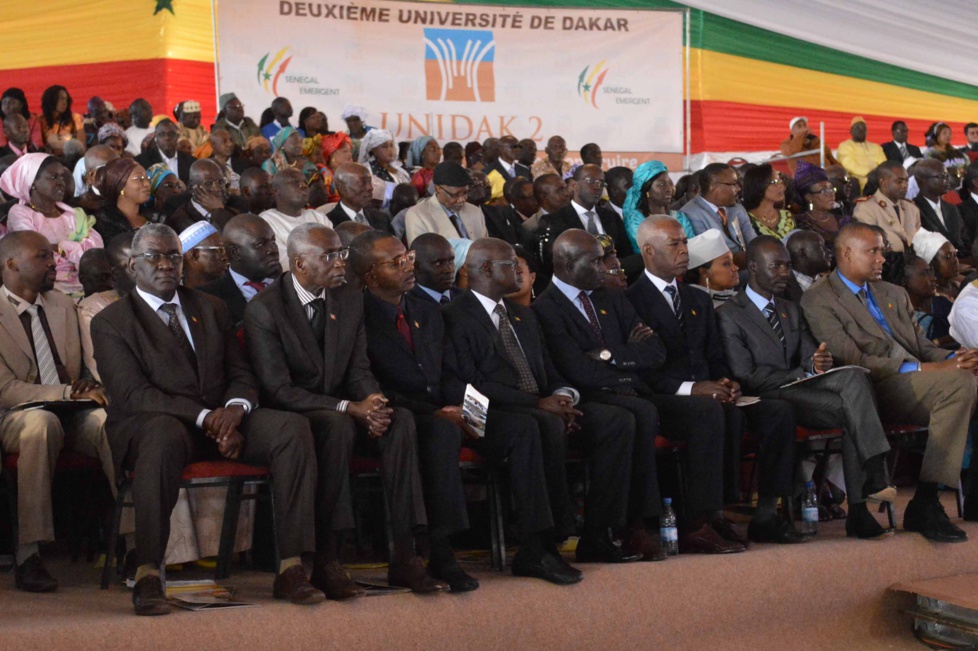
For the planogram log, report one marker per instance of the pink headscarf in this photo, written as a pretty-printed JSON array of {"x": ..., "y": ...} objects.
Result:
[{"x": 17, "y": 181}]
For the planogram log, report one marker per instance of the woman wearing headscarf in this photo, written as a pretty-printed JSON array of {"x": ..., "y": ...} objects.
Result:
[
  {"x": 614, "y": 275},
  {"x": 942, "y": 257},
  {"x": 287, "y": 152},
  {"x": 651, "y": 194},
  {"x": 57, "y": 122},
  {"x": 13, "y": 100},
  {"x": 940, "y": 135},
  {"x": 424, "y": 154},
  {"x": 378, "y": 152},
  {"x": 124, "y": 186},
  {"x": 257, "y": 151},
  {"x": 112, "y": 136},
  {"x": 931, "y": 310},
  {"x": 337, "y": 149},
  {"x": 37, "y": 181},
  {"x": 764, "y": 199},
  {"x": 817, "y": 194},
  {"x": 711, "y": 267},
  {"x": 163, "y": 185}
]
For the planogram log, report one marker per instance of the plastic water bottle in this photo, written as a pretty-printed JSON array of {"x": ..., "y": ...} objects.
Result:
[
  {"x": 668, "y": 533},
  {"x": 809, "y": 510}
]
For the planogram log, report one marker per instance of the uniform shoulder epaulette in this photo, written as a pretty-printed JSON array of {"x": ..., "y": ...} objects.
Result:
[{"x": 861, "y": 199}]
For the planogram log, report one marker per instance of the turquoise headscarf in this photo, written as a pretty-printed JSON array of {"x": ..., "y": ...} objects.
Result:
[
  {"x": 414, "y": 154},
  {"x": 631, "y": 214},
  {"x": 281, "y": 137}
]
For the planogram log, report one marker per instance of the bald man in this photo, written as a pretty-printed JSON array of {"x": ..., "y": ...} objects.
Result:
[
  {"x": 354, "y": 185},
  {"x": 253, "y": 263},
  {"x": 208, "y": 201},
  {"x": 869, "y": 323},
  {"x": 85, "y": 170},
  {"x": 41, "y": 360},
  {"x": 291, "y": 199}
]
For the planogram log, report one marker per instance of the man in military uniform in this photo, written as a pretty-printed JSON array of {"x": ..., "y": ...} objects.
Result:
[{"x": 888, "y": 208}]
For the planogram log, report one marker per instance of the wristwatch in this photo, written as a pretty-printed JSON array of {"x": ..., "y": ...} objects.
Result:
[{"x": 605, "y": 355}]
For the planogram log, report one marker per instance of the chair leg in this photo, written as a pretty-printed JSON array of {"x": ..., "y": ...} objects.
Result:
[
  {"x": 276, "y": 550},
  {"x": 959, "y": 499},
  {"x": 496, "y": 526},
  {"x": 229, "y": 528},
  {"x": 110, "y": 554},
  {"x": 890, "y": 516},
  {"x": 681, "y": 481}
]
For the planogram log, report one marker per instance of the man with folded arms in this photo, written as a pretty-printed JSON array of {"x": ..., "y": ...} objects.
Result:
[
  {"x": 769, "y": 345},
  {"x": 693, "y": 387},
  {"x": 41, "y": 360},
  {"x": 308, "y": 346},
  {"x": 869, "y": 323},
  {"x": 182, "y": 392}
]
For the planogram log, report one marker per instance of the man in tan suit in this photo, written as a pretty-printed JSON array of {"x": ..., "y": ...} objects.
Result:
[
  {"x": 888, "y": 208},
  {"x": 40, "y": 360},
  {"x": 447, "y": 212},
  {"x": 868, "y": 322}
]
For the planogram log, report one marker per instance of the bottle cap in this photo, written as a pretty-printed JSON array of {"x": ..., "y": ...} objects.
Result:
[
  {"x": 809, "y": 484},
  {"x": 667, "y": 501}
]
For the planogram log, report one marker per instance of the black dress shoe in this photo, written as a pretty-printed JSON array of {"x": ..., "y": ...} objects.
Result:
[
  {"x": 598, "y": 549},
  {"x": 929, "y": 520},
  {"x": 32, "y": 576},
  {"x": 148, "y": 598},
  {"x": 725, "y": 528},
  {"x": 293, "y": 585},
  {"x": 773, "y": 530},
  {"x": 547, "y": 567},
  {"x": 862, "y": 525},
  {"x": 458, "y": 580},
  {"x": 332, "y": 579},
  {"x": 640, "y": 541},
  {"x": 706, "y": 540},
  {"x": 413, "y": 575}
]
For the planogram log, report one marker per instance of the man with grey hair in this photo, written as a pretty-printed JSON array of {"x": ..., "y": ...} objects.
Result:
[
  {"x": 208, "y": 200},
  {"x": 180, "y": 388},
  {"x": 308, "y": 346},
  {"x": 354, "y": 185}
]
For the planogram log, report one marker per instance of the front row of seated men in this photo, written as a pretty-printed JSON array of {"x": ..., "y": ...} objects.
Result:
[{"x": 331, "y": 369}]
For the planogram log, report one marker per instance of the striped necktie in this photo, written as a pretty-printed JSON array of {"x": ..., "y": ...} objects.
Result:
[
  {"x": 42, "y": 349},
  {"x": 772, "y": 318},
  {"x": 677, "y": 305}
]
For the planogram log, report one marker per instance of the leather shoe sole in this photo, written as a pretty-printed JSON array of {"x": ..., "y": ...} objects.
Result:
[
  {"x": 886, "y": 494},
  {"x": 707, "y": 541},
  {"x": 603, "y": 551},
  {"x": 457, "y": 579}
]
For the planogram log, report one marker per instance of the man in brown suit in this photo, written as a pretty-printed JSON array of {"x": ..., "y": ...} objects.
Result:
[
  {"x": 181, "y": 391},
  {"x": 40, "y": 360},
  {"x": 868, "y": 322}
]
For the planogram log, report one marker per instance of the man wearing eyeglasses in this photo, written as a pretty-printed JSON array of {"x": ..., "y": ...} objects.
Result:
[
  {"x": 447, "y": 212},
  {"x": 718, "y": 206},
  {"x": 308, "y": 347},
  {"x": 208, "y": 199},
  {"x": 181, "y": 391},
  {"x": 936, "y": 214},
  {"x": 204, "y": 260}
]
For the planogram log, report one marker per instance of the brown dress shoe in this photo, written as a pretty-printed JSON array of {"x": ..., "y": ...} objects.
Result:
[
  {"x": 293, "y": 585},
  {"x": 333, "y": 580},
  {"x": 640, "y": 541},
  {"x": 148, "y": 597},
  {"x": 413, "y": 575},
  {"x": 707, "y": 541},
  {"x": 32, "y": 576}
]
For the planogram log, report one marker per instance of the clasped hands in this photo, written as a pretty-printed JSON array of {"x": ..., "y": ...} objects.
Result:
[
  {"x": 373, "y": 413},
  {"x": 563, "y": 406},
  {"x": 222, "y": 424},
  {"x": 724, "y": 390},
  {"x": 964, "y": 358}
]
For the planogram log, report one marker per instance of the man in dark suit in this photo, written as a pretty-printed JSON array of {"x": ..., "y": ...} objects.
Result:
[
  {"x": 209, "y": 200},
  {"x": 696, "y": 374},
  {"x": 353, "y": 182},
  {"x": 434, "y": 269},
  {"x": 181, "y": 391},
  {"x": 968, "y": 208},
  {"x": 936, "y": 214},
  {"x": 769, "y": 346},
  {"x": 810, "y": 260},
  {"x": 584, "y": 212},
  {"x": 166, "y": 151},
  {"x": 252, "y": 254},
  {"x": 498, "y": 348},
  {"x": 598, "y": 341},
  {"x": 898, "y": 150},
  {"x": 503, "y": 220},
  {"x": 308, "y": 346},
  {"x": 505, "y": 167},
  {"x": 868, "y": 322}
]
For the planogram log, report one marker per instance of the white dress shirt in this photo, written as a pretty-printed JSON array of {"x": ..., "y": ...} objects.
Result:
[
  {"x": 937, "y": 209},
  {"x": 686, "y": 388},
  {"x": 246, "y": 290},
  {"x": 306, "y": 297},
  {"x": 353, "y": 214},
  {"x": 580, "y": 213},
  {"x": 172, "y": 163}
]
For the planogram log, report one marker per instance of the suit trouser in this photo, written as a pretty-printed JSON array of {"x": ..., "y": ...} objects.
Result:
[
  {"x": 38, "y": 436},
  {"x": 644, "y": 500},
  {"x": 944, "y": 401},
  {"x": 773, "y": 422},
  {"x": 163, "y": 445},
  {"x": 439, "y": 444},
  {"x": 842, "y": 399},
  {"x": 335, "y": 436}
]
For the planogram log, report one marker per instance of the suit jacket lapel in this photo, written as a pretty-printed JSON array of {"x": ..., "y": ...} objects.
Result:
[
  {"x": 332, "y": 335},
  {"x": 191, "y": 310},
  {"x": 14, "y": 328},
  {"x": 660, "y": 307},
  {"x": 854, "y": 306},
  {"x": 889, "y": 304},
  {"x": 297, "y": 316},
  {"x": 474, "y": 306},
  {"x": 58, "y": 323},
  {"x": 757, "y": 318}
]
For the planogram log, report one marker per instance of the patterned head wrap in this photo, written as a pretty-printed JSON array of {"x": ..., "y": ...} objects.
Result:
[
  {"x": 156, "y": 174},
  {"x": 374, "y": 138}
]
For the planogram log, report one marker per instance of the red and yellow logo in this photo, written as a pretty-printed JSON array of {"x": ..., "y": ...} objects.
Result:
[
  {"x": 590, "y": 81},
  {"x": 270, "y": 71}
]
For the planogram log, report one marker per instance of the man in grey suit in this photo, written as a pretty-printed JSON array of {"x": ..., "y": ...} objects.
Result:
[
  {"x": 716, "y": 207},
  {"x": 769, "y": 346},
  {"x": 868, "y": 322}
]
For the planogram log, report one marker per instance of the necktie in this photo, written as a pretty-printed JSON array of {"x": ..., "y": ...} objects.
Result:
[
  {"x": 459, "y": 226},
  {"x": 592, "y": 226},
  {"x": 42, "y": 348},
  {"x": 404, "y": 328},
  {"x": 723, "y": 216},
  {"x": 591, "y": 316},
  {"x": 173, "y": 324},
  {"x": 255, "y": 285},
  {"x": 360, "y": 218},
  {"x": 903, "y": 149},
  {"x": 444, "y": 300},
  {"x": 772, "y": 318},
  {"x": 511, "y": 345},
  {"x": 677, "y": 305},
  {"x": 318, "y": 320},
  {"x": 897, "y": 351}
]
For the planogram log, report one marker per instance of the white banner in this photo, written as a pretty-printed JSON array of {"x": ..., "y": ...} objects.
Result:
[{"x": 464, "y": 72}]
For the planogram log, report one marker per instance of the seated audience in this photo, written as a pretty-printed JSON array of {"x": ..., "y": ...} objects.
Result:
[
  {"x": 811, "y": 259},
  {"x": 291, "y": 198},
  {"x": 651, "y": 193},
  {"x": 253, "y": 263},
  {"x": 354, "y": 185},
  {"x": 41, "y": 360},
  {"x": 434, "y": 269},
  {"x": 208, "y": 199},
  {"x": 802, "y": 139},
  {"x": 555, "y": 161},
  {"x": 453, "y": 152},
  {"x": 858, "y": 156},
  {"x": 13, "y": 101},
  {"x": 711, "y": 267},
  {"x": 355, "y": 118},
  {"x": 899, "y": 150},
  {"x": 446, "y": 212},
  {"x": 377, "y": 151},
  {"x": 613, "y": 275},
  {"x": 112, "y": 136},
  {"x": 505, "y": 167},
  {"x": 287, "y": 154},
  {"x": 275, "y": 119},
  {"x": 942, "y": 150},
  {"x": 527, "y": 157},
  {"x": 336, "y": 150},
  {"x": 37, "y": 181},
  {"x": 124, "y": 189},
  {"x": 940, "y": 255},
  {"x": 936, "y": 214},
  {"x": 257, "y": 190},
  {"x": 931, "y": 311},
  {"x": 204, "y": 260},
  {"x": 619, "y": 180},
  {"x": 888, "y": 207},
  {"x": 223, "y": 147},
  {"x": 716, "y": 207},
  {"x": 817, "y": 195},
  {"x": 503, "y": 220},
  {"x": 96, "y": 158},
  {"x": 165, "y": 188},
  {"x": 118, "y": 250},
  {"x": 17, "y": 132},
  {"x": 914, "y": 380},
  {"x": 764, "y": 200},
  {"x": 94, "y": 272}
]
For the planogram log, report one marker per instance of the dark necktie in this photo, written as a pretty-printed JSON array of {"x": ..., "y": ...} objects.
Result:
[
  {"x": 318, "y": 320},
  {"x": 255, "y": 285},
  {"x": 359, "y": 218},
  {"x": 444, "y": 300},
  {"x": 591, "y": 316},
  {"x": 903, "y": 150},
  {"x": 404, "y": 328},
  {"x": 511, "y": 345},
  {"x": 173, "y": 324},
  {"x": 677, "y": 305},
  {"x": 592, "y": 218},
  {"x": 47, "y": 369},
  {"x": 459, "y": 226},
  {"x": 772, "y": 318}
]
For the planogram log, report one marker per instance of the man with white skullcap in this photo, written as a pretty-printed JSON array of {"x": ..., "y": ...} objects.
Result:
[
  {"x": 203, "y": 254},
  {"x": 802, "y": 139},
  {"x": 190, "y": 128}
]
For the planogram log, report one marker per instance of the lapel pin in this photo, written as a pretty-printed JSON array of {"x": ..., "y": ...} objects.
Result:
[
  {"x": 194, "y": 318},
  {"x": 332, "y": 317},
  {"x": 516, "y": 318},
  {"x": 605, "y": 312},
  {"x": 693, "y": 312},
  {"x": 889, "y": 305},
  {"x": 416, "y": 325}
]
